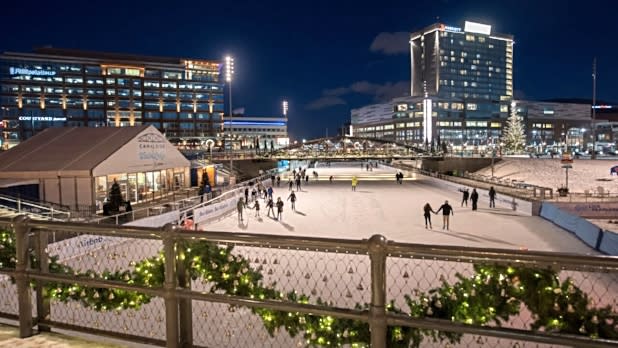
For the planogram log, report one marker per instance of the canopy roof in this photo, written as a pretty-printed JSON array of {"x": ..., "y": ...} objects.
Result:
[{"x": 67, "y": 151}]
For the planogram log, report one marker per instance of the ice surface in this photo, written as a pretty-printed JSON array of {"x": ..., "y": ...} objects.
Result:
[{"x": 384, "y": 207}]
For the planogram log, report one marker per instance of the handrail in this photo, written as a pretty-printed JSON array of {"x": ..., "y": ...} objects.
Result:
[
  {"x": 21, "y": 204},
  {"x": 334, "y": 245}
]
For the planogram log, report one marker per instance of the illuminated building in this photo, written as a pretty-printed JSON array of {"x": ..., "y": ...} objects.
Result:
[{"x": 57, "y": 87}]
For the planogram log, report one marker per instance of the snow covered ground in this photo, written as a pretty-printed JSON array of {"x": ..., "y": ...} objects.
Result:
[
  {"x": 332, "y": 210},
  {"x": 586, "y": 174}
]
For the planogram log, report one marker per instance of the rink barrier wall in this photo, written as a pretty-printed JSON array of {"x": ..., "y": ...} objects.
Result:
[
  {"x": 157, "y": 220},
  {"x": 222, "y": 207},
  {"x": 595, "y": 237}
]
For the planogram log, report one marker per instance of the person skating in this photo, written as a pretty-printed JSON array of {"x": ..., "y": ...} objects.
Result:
[
  {"x": 256, "y": 206},
  {"x": 331, "y": 179},
  {"x": 492, "y": 197},
  {"x": 474, "y": 197},
  {"x": 270, "y": 193},
  {"x": 447, "y": 211},
  {"x": 290, "y": 185},
  {"x": 240, "y": 205},
  {"x": 270, "y": 204},
  {"x": 466, "y": 195},
  {"x": 354, "y": 183},
  {"x": 246, "y": 194},
  {"x": 279, "y": 208},
  {"x": 427, "y": 210},
  {"x": 298, "y": 183},
  {"x": 292, "y": 198},
  {"x": 278, "y": 181}
]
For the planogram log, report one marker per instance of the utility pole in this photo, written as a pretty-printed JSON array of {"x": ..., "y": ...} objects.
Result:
[{"x": 594, "y": 108}]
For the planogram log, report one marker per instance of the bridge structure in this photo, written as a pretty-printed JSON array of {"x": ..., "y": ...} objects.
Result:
[{"x": 333, "y": 148}]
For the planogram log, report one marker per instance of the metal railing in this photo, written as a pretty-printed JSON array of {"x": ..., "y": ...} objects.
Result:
[
  {"x": 191, "y": 201},
  {"x": 39, "y": 210},
  {"x": 335, "y": 288}
]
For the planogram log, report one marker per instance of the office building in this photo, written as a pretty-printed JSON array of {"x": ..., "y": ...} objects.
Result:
[
  {"x": 546, "y": 124},
  {"x": 255, "y": 131},
  {"x": 460, "y": 75},
  {"x": 58, "y": 87}
]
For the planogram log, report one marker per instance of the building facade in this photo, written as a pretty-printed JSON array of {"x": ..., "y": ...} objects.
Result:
[
  {"x": 250, "y": 132},
  {"x": 57, "y": 87},
  {"x": 547, "y": 124},
  {"x": 460, "y": 76}
]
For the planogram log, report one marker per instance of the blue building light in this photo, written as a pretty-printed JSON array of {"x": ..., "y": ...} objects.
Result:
[{"x": 253, "y": 123}]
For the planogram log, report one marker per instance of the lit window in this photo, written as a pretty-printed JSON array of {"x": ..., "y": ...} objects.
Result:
[
  {"x": 471, "y": 106},
  {"x": 470, "y": 37}
]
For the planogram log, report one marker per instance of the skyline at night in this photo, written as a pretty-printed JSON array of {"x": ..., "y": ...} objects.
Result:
[{"x": 326, "y": 59}]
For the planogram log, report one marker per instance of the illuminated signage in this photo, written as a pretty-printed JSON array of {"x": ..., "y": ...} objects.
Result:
[
  {"x": 477, "y": 28},
  {"x": 42, "y": 118},
  {"x": 402, "y": 107},
  {"x": 602, "y": 106},
  {"x": 253, "y": 123},
  {"x": 450, "y": 28},
  {"x": 548, "y": 112},
  {"x": 32, "y": 72}
]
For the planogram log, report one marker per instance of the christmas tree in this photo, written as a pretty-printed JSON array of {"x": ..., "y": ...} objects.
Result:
[
  {"x": 115, "y": 197},
  {"x": 514, "y": 138}
]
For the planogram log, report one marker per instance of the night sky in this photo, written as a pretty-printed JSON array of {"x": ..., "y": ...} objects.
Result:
[{"x": 326, "y": 57}]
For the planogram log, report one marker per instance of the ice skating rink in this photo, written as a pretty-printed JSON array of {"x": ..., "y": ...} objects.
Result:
[{"x": 381, "y": 206}]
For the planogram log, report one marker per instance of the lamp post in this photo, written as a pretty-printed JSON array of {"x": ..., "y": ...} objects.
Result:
[
  {"x": 594, "y": 107},
  {"x": 229, "y": 72},
  {"x": 285, "y": 114}
]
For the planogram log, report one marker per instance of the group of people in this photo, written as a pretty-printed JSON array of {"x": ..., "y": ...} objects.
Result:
[
  {"x": 260, "y": 192},
  {"x": 399, "y": 177},
  {"x": 447, "y": 210},
  {"x": 474, "y": 197}
]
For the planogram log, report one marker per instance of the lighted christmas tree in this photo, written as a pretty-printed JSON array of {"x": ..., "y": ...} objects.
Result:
[
  {"x": 115, "y": 197},
  {"x": 514, "y": 137}
]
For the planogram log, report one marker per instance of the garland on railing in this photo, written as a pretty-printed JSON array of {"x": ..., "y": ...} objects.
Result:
[{"x": 491, "y": 295}]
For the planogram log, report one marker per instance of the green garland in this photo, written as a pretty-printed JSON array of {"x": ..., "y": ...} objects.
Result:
[{"x": 491, "y": 295}]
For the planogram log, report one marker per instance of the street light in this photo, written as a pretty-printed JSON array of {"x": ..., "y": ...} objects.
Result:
[
  {"x": 285, "y": 108},
  {"x": 229, "y": 72}
]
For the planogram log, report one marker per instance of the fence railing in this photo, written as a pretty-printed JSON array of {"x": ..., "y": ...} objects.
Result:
[
  {"x": 41, "y": 210},
  {"x": 173, "y": 287}
]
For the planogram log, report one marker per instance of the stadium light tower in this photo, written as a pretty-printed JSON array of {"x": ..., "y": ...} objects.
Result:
[
  {"x": 229, "y": 73},
  {"x": 285, "y": 108}
]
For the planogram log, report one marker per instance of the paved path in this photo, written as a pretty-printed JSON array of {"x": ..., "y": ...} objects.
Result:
[{"x": 9, "y": 337}]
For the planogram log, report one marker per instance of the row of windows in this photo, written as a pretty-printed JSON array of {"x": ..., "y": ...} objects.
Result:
[
  {"x": 210, "y": 73},
  {"x": 256, "y": 130}
]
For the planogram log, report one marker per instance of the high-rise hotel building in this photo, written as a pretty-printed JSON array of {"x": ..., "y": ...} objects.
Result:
[
  {"x": 57, "y": 87},
  {"x": 461, "y": 87}
]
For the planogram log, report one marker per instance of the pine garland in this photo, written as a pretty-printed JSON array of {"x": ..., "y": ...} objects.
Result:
[{"x": 492, "y": 295}]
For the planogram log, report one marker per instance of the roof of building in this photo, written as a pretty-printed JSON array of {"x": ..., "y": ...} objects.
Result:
[
  {"x": 64, "y": 53},
  {"x": 67, "y": 149}
]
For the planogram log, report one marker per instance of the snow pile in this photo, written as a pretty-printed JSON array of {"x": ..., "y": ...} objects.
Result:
[{"x": 585, "y": 175}]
